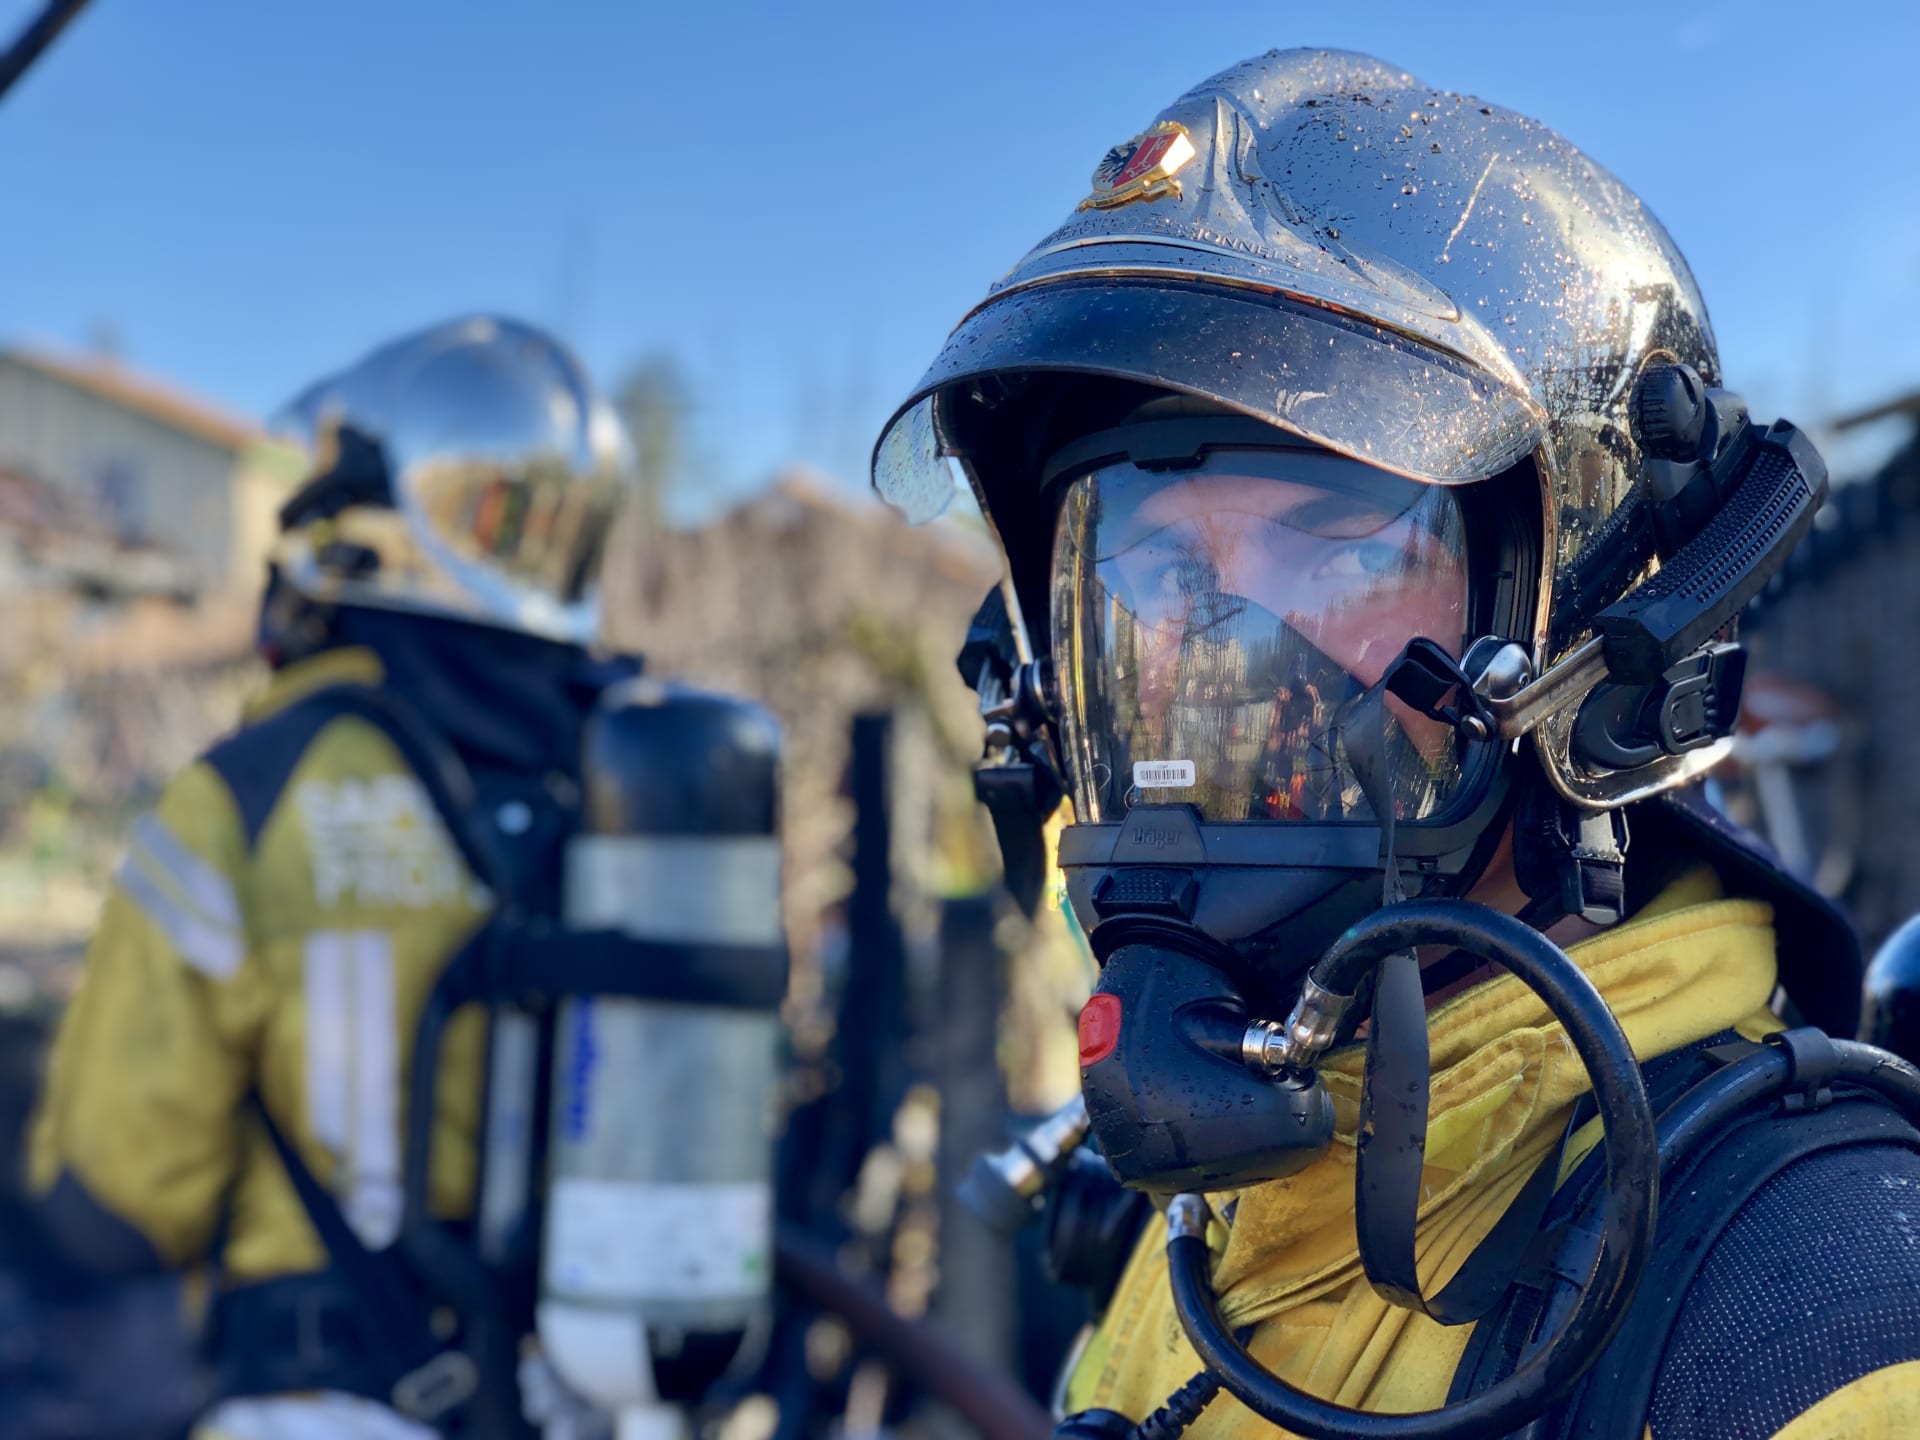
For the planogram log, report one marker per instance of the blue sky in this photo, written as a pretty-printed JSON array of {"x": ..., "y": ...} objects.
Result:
[{"x": 798, "y": 200}]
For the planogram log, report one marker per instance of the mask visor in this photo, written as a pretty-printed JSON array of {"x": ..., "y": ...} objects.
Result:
[{"x": 1213, "y": 628}]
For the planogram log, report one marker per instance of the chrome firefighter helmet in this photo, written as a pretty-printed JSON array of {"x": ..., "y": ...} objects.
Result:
[
  {"x": 1431, "y": 306},
  {"x": 468, "y": 470}
]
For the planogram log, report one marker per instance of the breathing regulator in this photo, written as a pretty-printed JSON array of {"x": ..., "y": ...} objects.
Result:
[{"x": 1200, "y": 1045}]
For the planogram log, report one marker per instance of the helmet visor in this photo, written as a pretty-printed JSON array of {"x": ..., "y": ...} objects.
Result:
[
  {"x": 1214, "y": 629},
  {"x": 1354, "y": 387}
]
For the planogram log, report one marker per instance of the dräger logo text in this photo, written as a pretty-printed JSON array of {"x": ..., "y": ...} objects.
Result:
[{"x": 1159, "y": 838}]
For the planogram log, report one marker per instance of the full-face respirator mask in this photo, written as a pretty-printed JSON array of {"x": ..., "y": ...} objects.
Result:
[{"x": 1226, "y": 609}]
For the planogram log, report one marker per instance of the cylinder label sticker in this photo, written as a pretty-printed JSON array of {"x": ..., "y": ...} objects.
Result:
[
  {"x": 642, "y": 1240},
  {"x": 1163, "y": 774}
]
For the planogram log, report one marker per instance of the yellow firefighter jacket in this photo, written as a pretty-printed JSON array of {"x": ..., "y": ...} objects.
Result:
[
  {"x": 287, "y": 953},
  {"x": 1504, "y": 1080}
]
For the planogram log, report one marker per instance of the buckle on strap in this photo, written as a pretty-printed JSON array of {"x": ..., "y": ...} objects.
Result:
[
  {"x": 437, "y": 1388},
  {"x": 309, "y": 1311}
]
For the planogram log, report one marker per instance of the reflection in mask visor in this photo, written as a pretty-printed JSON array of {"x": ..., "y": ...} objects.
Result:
[{"x": 1213, "y": 627}]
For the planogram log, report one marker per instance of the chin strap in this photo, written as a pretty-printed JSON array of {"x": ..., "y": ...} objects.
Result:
[{"x": 1568, "y": 860}]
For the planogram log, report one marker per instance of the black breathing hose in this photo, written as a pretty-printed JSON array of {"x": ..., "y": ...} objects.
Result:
[
  {"x": 1629, "y": 1209},
  {"x": 1705, "y": 1109}
]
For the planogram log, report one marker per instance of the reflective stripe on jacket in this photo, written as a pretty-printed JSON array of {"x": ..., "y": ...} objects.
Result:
[{"x": 283, "y": 942}]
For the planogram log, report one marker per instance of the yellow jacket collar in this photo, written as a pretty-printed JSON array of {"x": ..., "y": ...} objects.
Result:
[
  {"x": 348, "y": 665},
  {"x": 1505, "y": 1077}
]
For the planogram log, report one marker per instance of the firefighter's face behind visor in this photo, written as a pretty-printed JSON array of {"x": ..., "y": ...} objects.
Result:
[{"x": 1215, "y": 627}]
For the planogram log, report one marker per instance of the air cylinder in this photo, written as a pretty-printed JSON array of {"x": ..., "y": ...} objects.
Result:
[{"x": 657, "y": 1244}]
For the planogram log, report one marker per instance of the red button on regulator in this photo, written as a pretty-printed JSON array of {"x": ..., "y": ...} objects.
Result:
[{"x": 1099, "y": 1028}]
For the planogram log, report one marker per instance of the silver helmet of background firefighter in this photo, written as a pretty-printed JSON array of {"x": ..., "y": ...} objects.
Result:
[{"x": 468, "y": 470}]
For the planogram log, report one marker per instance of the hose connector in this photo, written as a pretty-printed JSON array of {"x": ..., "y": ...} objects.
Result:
[
  {"x": 1003, "y": 1188},
  {"x": 1187, "y": 1217},
  {"x": 1271, "y": 1047}
]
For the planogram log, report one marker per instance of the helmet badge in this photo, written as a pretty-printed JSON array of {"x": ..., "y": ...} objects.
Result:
[{"x": 1141, "y": 168}]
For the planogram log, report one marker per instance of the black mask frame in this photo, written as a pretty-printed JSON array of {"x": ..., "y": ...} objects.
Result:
[{"x": 1279, "y": 892}]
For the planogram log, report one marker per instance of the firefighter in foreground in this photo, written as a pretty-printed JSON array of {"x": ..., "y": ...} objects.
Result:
[
  {"x": 1374, "y": 531},
  {"x": 383, "y": 842}
]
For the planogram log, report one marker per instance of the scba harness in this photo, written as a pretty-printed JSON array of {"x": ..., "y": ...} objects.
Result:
[
  {"x": 432, "y": 1326},
  {"x": 1757, "y": 1112}
]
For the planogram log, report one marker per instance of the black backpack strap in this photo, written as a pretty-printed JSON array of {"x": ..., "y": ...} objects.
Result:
[
  {"x": 422, "y": 1378},
  {"x": 257, "y": 762},
  {"x": 419, "y": 1374},
  {"x": 1617, "y": 1395},
  {"x": 1501, "y": 1334},
  {"x": 1501, "y": 1337},
  {"x": 1696, "y": 1207}
]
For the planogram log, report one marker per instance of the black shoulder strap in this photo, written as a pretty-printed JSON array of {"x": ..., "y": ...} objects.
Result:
[
  {"x": 425, "y": 1377},
  {"x": 392, "y": 1312},
  {"x": 1499, "y": 1340},
  {"x": 256, "y": 763},
  {"x": 1617, "y": 1394},
  {"x": 1695, "y": 1208},
  {"x": 422, "y": 1377}
]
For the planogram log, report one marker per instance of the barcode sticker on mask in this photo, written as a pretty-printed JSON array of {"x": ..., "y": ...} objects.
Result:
[{"x": 1162, "y": 774}]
